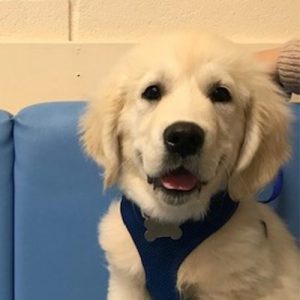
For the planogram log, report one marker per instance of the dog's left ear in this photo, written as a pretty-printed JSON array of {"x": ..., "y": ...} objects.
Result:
[{"x": 266, "y": 140}]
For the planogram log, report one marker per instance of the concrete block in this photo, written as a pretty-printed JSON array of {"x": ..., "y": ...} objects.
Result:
[
  {"x": 248, "y": 21},
  {"x": 34, "y": 20}
]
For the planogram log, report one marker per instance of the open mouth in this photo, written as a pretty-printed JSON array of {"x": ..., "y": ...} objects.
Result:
[{"x": 177, "y": 182}]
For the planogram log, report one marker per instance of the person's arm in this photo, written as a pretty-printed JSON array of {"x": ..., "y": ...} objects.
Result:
[{"x": 285, "y": 63}]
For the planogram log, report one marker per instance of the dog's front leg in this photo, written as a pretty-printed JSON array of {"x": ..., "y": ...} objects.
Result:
[{"x": 123, "y": 287}]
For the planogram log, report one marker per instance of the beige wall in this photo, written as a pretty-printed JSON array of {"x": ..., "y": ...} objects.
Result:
[
  {"x": 59, "y": 49},
  {"x": 33, "y": 73},
  {"x": 251, "y": 21},
  {"x": 243, "y": 20}
]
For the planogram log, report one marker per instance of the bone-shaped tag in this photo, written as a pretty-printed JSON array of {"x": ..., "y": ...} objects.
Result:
[{"x": 156, "y": 229}]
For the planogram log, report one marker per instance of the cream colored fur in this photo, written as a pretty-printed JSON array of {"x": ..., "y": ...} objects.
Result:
[{"x": 246, "y": 142}]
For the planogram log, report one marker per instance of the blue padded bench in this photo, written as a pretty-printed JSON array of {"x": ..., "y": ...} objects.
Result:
[
  {"x": 6, "y": 206},
  {"x": 58, "y": 202},
  {"x": 289, "y": 202}
]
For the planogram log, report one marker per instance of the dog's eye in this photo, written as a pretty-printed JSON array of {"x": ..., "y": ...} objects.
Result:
[
  {"x": 220, "y": 94},
  {"x": 152, "y": 92}
]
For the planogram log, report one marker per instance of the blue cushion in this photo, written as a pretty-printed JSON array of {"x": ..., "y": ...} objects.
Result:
[
  {"x": 6, "y": 207},
  {"x": 58, "y": 202},
  {"x": 289, "y": 202}
]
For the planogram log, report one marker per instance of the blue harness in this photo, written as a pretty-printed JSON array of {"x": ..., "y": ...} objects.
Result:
[{"x": 162, "y": 257}]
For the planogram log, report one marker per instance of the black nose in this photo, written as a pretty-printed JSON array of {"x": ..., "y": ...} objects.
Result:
[{"x": 184, "y": 138}]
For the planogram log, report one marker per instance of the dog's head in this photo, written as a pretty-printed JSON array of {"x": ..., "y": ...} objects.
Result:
[{"x": 183, "y": 117}]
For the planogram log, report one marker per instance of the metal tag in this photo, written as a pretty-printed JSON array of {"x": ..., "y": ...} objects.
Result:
[{"x": 156, "y": 229}]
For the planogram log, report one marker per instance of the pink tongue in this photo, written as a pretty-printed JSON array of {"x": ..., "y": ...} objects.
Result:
[{"x": 181, "y": 180}]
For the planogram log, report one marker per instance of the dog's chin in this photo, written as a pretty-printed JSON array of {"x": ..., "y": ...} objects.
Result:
[
  {"x": 176, "y": 198},
  {"x": 176, "y": 187}
]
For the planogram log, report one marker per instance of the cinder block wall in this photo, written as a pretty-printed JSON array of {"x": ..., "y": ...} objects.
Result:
[{"x": 267, "y": 21}]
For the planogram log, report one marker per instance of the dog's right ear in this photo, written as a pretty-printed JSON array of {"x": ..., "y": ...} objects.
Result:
[{"x": 99, "y": 132}]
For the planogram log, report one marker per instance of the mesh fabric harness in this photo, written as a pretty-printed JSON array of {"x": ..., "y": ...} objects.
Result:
[{"x": 162, "y": 258}]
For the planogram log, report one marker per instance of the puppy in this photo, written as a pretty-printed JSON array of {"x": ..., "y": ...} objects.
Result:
[{"x": 179, "y": 120}]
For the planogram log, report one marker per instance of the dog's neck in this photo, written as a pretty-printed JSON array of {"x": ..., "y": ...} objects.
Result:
[{"x": 216, "y": 206}]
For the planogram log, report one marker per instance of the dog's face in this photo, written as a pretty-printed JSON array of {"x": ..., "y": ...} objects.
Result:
[
  {"x": 182, "y": 126},
  {"x": 184, "y": 117}
]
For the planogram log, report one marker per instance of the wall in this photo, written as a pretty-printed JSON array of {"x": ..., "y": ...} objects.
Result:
[
  {"x": 33, "y": 73},
  {"x": 59, "y": 49},
  {"x": 251, "y": 21}
]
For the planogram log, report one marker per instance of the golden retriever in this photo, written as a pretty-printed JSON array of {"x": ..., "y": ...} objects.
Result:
[{"x": 180, "y": 118}]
